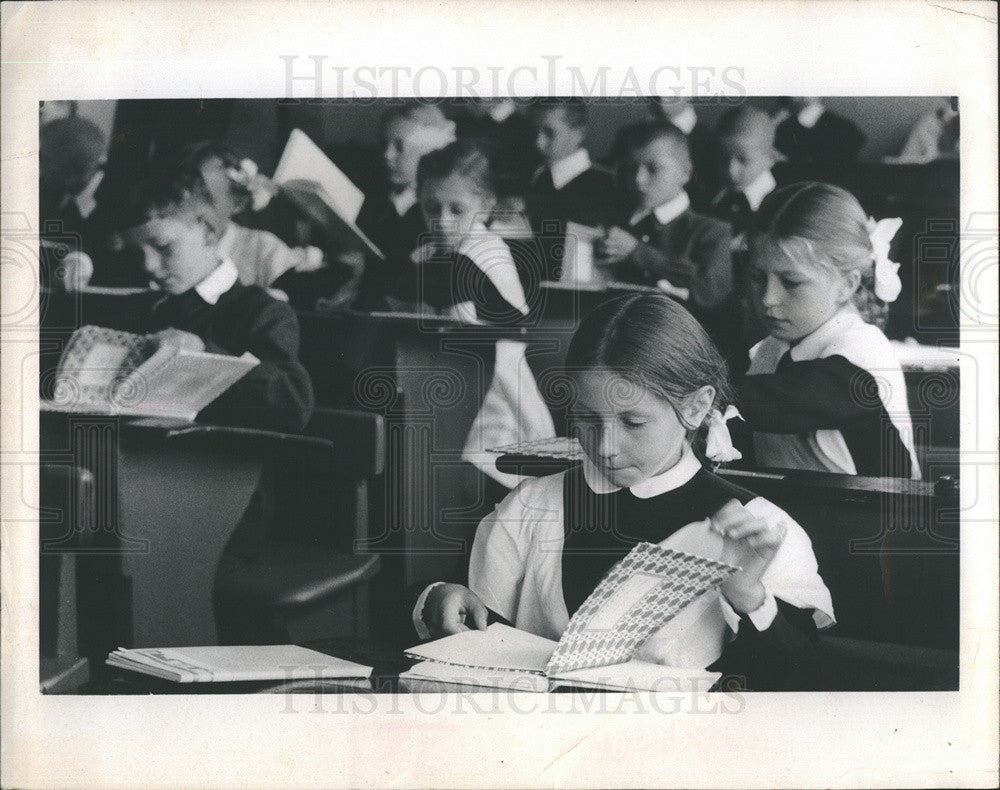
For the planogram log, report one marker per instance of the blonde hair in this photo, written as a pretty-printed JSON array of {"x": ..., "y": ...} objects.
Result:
[{"x": 825, "y": 225}]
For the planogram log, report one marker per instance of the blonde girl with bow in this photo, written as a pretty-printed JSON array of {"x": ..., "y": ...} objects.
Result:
[{"x": 824, "y": 391}]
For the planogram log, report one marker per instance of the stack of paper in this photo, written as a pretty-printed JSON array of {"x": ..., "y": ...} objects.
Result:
[{"x": 231, "y": 663}]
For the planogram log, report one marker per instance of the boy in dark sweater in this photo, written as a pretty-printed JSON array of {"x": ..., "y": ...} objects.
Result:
[
  {"x": 658, "y": 239},
  {"x": 568, "y": 187},
  {"x": 200, "y": 305}
]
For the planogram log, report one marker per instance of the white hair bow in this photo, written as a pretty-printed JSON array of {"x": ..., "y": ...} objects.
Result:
[
  {"x": 719, "y": 444},
  {"x": 881, "y": 233}
]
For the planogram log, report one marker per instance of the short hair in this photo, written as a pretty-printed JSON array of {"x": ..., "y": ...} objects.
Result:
[
  {"x": 574, "y": 110},
  {"x": 420, "y": 112},
  {"x": 465, "y": 158},
  {"x": 653, "y": 342},
  {"x": 69, "y": 152},
  {"x": 746, "y": 118},
  {"x": 161, "y": 195},
  {"x": 184, "y": 167},
  {"x": 636, "y": 136},
  {"x": 825, "y": 225}
]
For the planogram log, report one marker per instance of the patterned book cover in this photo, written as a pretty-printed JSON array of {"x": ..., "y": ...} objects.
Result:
[
  {"x": 639, "y": 595},
  {"x": 95, "y": 361}
]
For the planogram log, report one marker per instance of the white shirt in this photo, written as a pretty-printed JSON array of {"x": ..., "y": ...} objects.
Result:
[
  {"x": 810, "y": 114},
  {"x": 569, "y": 167},
  {"x": 665, "y": 212},
  {"x": 516, "y": 569},
  {"x": 848, "y": 335},
  {"x": 222, "y": 278},
  {"x": 685, "y": 120},
  {"x": 261, "y": 257},
  {"x": 758, "y": 189},
  {"x": 502, "y": 111},
  {"x": 403, "y": 201}
]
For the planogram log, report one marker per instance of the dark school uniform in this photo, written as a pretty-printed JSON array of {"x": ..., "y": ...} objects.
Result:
[{"x": 835, "y": 402}]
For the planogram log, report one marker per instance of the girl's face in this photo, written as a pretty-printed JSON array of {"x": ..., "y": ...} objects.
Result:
[
  {"x": 792, "y": 296},
  {"x": 451, "y": 207},
  {"x": 629, "y": 433}
]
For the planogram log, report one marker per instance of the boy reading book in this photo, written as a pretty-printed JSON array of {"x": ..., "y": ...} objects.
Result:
[{"x": 200, "y": 305}]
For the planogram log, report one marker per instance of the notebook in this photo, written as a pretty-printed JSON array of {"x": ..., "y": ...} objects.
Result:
[
  {"x": 304, "y": 169},
  {"x": 233, "y": 663},
  {"x": 104, "y": 371},
  {"x": 638, "y": 596}
]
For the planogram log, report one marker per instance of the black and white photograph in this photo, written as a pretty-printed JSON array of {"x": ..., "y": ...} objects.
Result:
[{"x": 459, "y": 411}]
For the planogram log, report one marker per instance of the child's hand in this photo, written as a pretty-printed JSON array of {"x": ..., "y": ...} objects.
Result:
[
  {"x": 260, "y": 187},
  {"x": 170, "y": 340},
  {"x": 750, "y": 543},
  {"x": 452, "y": 608},
  {"x": 77, "y": 269},
  {"x": 615, "y": 245}
]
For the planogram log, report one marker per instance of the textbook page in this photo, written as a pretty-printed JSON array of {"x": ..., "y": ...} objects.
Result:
[{"x": 499, "y": 648}]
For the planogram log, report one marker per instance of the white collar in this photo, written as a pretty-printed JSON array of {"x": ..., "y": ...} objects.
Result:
[
  {"x": 813, "y": 344},
  {"x": 224, "y": 247},
  {"x": 685, "y": 120},
  {"x": 676, "y": 476},
  {"x": 569, "y": 167},
  {"x": 222, "y": 278},
  {"x": 665, "y": 212},
  {"x": 758, "y": 189},
  {"x": 811, "y": 113},
  {"x": 502, "y": 111},
  {"x": 404, "y": 200}
]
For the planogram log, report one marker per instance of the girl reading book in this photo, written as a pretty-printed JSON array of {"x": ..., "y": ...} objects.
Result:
[{"x": 651, "y": 399}]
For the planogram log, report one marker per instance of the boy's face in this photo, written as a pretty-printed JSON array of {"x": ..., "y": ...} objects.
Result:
[
  {"x": 555, "y": 139},
  {"x": 451, "y": 208},
  {"x": 746, "y": 156},
  {"x": 656, "y": 173},
  {"x": 178, "y": 252}
]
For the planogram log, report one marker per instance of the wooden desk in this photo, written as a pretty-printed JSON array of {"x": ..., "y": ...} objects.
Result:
[
  {"x": 427, "y": 377},
  {"x": 168, "y": 497}
]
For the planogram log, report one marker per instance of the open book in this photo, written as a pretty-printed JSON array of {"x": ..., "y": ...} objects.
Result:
[
  {"x": 104, "y": 371},
  {"x": 231, "y": 663},
  {"x": 638, "y": 596},
  {"x": 320, "y": 188}
]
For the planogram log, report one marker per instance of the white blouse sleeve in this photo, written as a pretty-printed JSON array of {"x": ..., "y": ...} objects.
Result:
[
  {"x": 500, "y": 551},
  {"x": 793, "y": 575}
]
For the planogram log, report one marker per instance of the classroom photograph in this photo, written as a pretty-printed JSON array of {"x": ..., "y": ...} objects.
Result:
[{"x": 536, "y": 395}]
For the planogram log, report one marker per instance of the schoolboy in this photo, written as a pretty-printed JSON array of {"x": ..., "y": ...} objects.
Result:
[
  {"x": 661, "y": 240},
  {"x": 392, "y": 219},
  {"x": 567, "y": 187},
  {"x": 746, "y": 142},
  {"x": 201, "y": 305}
]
